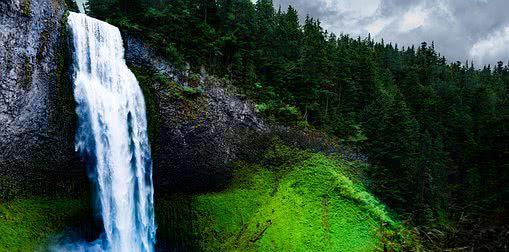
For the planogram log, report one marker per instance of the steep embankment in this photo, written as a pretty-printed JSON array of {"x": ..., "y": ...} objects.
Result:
[{"x": 292, "y": 201}]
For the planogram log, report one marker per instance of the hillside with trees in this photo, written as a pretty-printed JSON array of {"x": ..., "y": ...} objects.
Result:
[
  {"x": 264, "y": 131},
  {"x": 435, "y": 132}
]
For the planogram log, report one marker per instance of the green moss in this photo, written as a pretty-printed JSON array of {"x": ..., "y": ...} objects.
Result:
[
  {"x": 146, "y": 81},
  {"x": 8, "y": 188},
  {"x": 27, "y": 81},
  {"x": 302, "y": 202},
  {"x": 65, "y": 114},
  {"x": 26, "y": 7},
  {"x": 174, "y": 214},
  {"x": 26, "y": 225},
  {"x": 190, "y": 101},
  {"x": 310, "y": 211},
  {"x": 43, "y": 45},
  {"x": 192, "y": 91}
]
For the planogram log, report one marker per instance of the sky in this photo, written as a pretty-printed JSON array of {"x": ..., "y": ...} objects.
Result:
[{"x": 462, "y": 30}]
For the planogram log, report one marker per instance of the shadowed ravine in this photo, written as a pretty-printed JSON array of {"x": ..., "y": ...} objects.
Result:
[{"x": 112, "y": 137}]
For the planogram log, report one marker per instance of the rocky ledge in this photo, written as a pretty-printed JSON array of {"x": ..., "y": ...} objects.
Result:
[{"x": 198, "y": 125}]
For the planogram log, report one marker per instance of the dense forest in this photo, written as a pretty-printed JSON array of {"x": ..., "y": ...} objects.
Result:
[{"x": 435, "y": 132}]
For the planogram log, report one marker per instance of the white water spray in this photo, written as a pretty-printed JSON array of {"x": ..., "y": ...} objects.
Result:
[{"x": 112, "y": 135}]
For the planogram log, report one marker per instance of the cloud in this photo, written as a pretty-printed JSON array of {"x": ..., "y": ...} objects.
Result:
[
  {"x": 378, "y": 25},
  {"x": 413, "y": 19},
  {"x": 456, "y": 26},
  {"x": 493, "y": 46},
  {"x": 338, "y": 16}
]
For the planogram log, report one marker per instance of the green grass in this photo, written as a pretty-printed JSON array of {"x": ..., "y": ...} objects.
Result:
[
  {"x": 290, "y": 201},
  {"x": 306, "y": 203},
  {"x": 27, "y": 224}
]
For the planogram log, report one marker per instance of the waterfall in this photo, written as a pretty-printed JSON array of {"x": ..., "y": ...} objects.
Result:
[{"x": 112, "y": 135}]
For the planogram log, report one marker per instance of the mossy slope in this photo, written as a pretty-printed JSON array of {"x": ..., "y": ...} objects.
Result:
[
  {"x": 307, "y": 203},
  {"x": 289, "y": 201},
  {"x": 26, "y": 224}
]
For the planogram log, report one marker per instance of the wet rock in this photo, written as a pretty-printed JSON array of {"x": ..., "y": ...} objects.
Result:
[
  {"x": 36, "y": 132},
  {"x": 198, "y": 135}
]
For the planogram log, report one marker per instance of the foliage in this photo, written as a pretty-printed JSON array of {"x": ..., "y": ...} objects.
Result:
[{"x": 26, "y": 7}]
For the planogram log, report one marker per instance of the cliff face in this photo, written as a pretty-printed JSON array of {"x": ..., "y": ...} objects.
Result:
[
  {"x": 193, "y": 138},
  {"x": 36, "y": 108},
  {"x": 197, "y": 126}
]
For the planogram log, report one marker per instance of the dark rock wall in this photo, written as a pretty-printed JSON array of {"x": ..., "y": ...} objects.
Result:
[
  {"x": 195, "y": 137},
  {"x": 36, "y": 104},
  {"x": 198, "y": 138}
]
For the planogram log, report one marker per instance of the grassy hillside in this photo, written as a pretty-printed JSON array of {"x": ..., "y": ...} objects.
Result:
[
  {"x": 289, "y": 200},
  {"x": 305, "y": 203},
  {"x": 27, "y": 224}
]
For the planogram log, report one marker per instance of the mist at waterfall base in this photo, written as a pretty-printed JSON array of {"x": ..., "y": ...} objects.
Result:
[{"x": 112, "y": 138}]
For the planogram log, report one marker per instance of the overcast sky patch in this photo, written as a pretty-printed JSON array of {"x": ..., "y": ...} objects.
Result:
[
  {"x": 492, "y": 46},
  {"x": 461, "y": 29}
]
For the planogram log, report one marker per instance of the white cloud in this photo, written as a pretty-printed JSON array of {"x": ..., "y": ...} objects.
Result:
[
  {"x": 413, "y": 19},
  {"x": 495, "y": 45},
  {"x": 345, "y": 15},
  {"x": 359, "y": 9},
  {"x": 378, "y": 25}
]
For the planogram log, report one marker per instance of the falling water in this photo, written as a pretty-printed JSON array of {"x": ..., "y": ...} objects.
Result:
[{"x": 112, "y": 135}]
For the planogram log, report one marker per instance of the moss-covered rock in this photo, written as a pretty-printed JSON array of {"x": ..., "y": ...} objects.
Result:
[
  {"x": 27, "y": 224},
  {"x": 306, "y": 203},
  {"x": 26, "y": 7}
]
